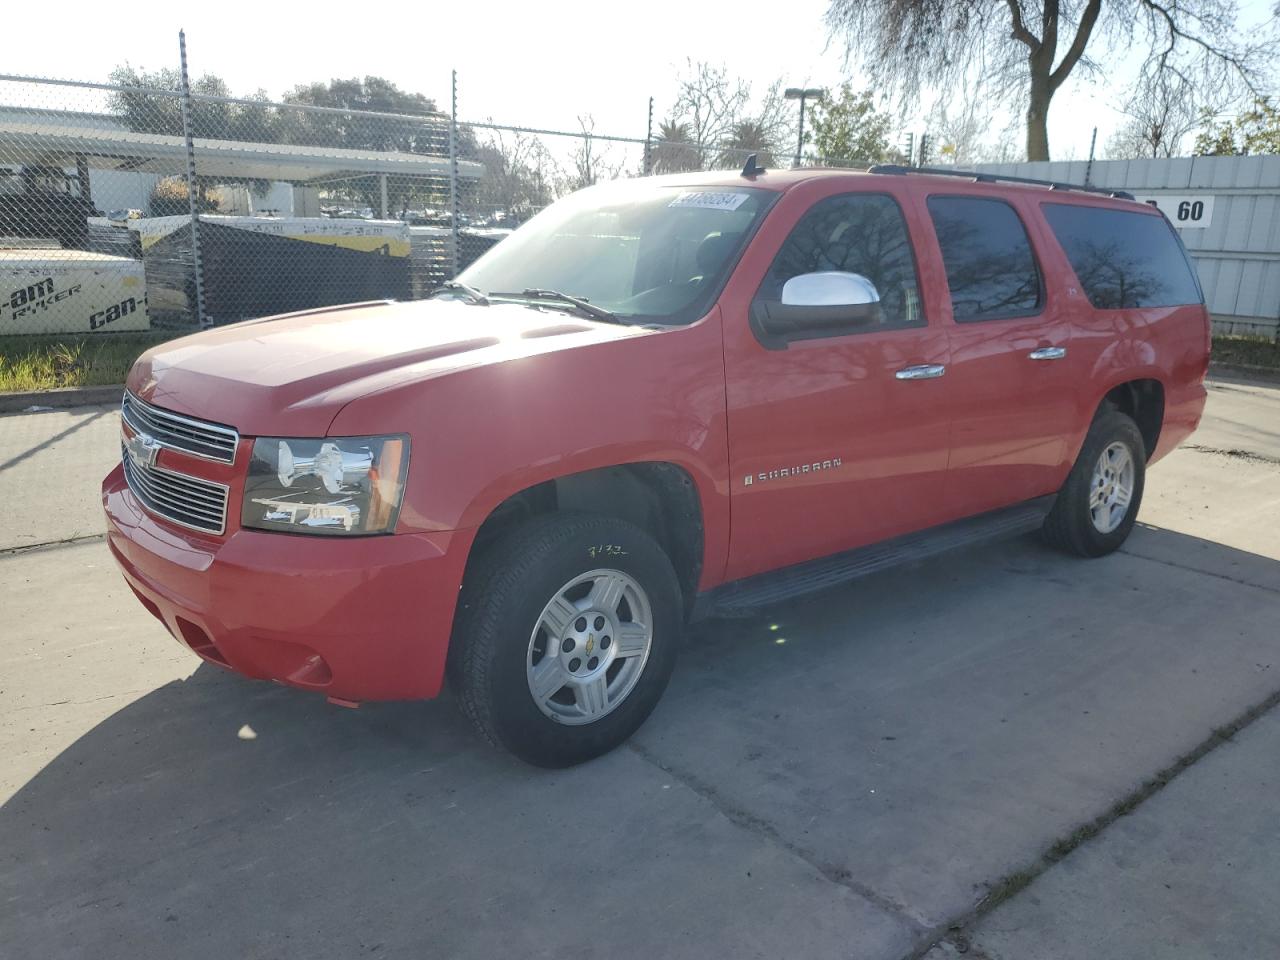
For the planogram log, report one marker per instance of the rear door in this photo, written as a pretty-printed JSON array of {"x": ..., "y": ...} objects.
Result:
[
  {"x": 829, "y": 447},
  {"x": 1011, "y": 378}
]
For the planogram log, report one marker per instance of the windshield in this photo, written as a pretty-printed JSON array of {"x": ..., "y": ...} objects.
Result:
[{"x": 638, "y": 249}]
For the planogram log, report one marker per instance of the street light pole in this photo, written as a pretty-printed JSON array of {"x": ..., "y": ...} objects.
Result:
[{"x": 802, "y": 94}]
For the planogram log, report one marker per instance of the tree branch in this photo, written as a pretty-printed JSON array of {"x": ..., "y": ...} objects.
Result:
[
  {"x": 1081, "y": 40},
  {"x": 1020, "y": 31},
  {"x": 1177, "y": 33}
]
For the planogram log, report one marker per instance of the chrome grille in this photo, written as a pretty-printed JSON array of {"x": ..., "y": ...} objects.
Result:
[
  {"x": 187, "y": 501},
  {"x": 213, "y": 441}
]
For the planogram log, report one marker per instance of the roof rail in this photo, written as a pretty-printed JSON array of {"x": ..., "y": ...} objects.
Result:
[{"x": 998, "y": 178}]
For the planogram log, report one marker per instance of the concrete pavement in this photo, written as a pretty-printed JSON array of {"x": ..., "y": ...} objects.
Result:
[
  {"x": 1192, "y": 873},
  {"x": 48, "y": 462},
  {"x": 850, "y": 775}
]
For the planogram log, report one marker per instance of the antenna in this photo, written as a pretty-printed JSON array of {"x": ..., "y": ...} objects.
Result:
[{"x": 751, "y": 169}]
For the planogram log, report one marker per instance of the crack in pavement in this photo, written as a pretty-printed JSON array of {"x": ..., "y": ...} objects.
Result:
[
  {"x": 956, "y": 932},
  {"x": 758, "y": 825},
  {"x": 24, "y": 548},
  {"x": 1234, "y": 453},
  {"x": 1199, "y": 570}
]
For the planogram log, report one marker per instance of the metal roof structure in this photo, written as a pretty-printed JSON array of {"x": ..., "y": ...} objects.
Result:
[{"x": 109, "y": 146}]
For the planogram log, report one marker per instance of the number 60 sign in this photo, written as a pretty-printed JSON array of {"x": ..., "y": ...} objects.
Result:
[{"x": 1183, "y": 211}]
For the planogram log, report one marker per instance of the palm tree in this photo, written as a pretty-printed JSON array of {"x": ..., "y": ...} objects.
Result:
[
  {"x": 745, "y": 138},
  {"x": 674, "y": 152}
]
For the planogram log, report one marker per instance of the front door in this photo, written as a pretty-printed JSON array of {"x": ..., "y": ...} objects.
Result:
[{"x": 838, "y": 434}]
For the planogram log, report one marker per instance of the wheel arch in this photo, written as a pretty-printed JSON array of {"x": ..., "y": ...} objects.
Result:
[
  {"x": 661, "y": 497},
  {"x": 1141, "y": 399}
]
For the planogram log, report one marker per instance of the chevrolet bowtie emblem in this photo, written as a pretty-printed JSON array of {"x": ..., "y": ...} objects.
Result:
[
  {"x": 142, "y": 450},
  {"x": 591, "y": 643}
]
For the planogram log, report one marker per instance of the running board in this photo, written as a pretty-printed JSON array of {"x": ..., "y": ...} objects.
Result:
[{"x": 766, "y": 588}]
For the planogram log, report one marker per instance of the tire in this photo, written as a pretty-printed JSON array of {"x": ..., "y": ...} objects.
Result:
[
  {"x": 1076, "y": 527},
  {"x": 513, "y": 631}
]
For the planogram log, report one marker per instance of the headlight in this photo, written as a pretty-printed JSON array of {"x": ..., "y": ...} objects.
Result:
[{"x": 344, "y": 486}]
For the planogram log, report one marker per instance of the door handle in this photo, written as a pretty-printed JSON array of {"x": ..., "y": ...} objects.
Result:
[
  {"x": 925, "y": 371},
  {"x": 1048, "y": 353}
]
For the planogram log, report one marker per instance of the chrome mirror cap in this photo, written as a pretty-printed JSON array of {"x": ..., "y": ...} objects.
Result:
[{"x": 829, "y": 288}]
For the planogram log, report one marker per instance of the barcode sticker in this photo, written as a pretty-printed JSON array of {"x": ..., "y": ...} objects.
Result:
[{"x": 710, "y": 201}]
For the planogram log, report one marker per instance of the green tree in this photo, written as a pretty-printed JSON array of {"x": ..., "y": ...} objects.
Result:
[
  {"x": 150, "y": 104},
  {"x": 1255, "y": 131},
  {"x": 414, "y": 125},
  {"x": 849, "y": 129}
]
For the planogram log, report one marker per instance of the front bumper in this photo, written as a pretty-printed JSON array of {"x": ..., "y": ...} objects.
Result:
[{"x": 357, "y": 619}]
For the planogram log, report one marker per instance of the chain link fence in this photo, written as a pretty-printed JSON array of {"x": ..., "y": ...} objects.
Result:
[{"x": 126, "y": 208}]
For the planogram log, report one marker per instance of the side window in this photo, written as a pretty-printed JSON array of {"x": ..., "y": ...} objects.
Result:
[
  {"x": 1124, "y": 259},
  {"x": 991, "y": 271},
  {"x": 860, "y": 233}
]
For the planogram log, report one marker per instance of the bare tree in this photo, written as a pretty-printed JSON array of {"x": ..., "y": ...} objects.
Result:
[
  {"x": 1030, "y": 47},
  {"x": 710, "y": 102},
  {"x": 718, "y": 121},
  {"x": 592, "y": 162},
  {"x": 1160, "y": 115},
  {"x": 519, "y": 173},
  {"x": 959, "y": 134}
]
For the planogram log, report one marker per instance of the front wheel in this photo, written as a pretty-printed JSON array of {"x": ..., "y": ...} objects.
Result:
[
  {"x": 1098, "y": 505},
  {"x": 566, "y": 636}
]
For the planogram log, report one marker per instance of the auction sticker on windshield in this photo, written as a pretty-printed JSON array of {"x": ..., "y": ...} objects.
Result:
[{"x": 710, "y": 201}]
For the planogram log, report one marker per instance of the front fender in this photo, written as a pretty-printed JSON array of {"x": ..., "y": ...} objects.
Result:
[{"x": 481, "y": 434}]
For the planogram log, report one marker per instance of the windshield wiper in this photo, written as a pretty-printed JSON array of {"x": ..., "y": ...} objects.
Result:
[
  {"x": 457, "y": 286},
  {"x": 583, "y": 306}
]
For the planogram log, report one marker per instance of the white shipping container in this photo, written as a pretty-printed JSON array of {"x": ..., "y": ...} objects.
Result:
[{"x": 70, "y": 291}]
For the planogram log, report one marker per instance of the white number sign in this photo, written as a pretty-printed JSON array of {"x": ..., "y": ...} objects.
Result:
[{"x": 1183, "y": 211}]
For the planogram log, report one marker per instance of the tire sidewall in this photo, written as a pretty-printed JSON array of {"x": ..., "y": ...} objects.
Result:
[
  {"x": 1110, "y": 427},
  {"x": 518, "y": 721}
]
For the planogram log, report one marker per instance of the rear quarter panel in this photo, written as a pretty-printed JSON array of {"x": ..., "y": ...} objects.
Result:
[{"x": 1167, "y": 344}]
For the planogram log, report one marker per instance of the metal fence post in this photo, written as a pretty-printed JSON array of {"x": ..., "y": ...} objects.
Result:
[
  {"x": 648, "y": 141},
  {"x": 193, "y": 203},
  {"x": 453, "y": 172}
]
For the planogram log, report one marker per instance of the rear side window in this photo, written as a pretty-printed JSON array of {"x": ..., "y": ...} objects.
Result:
[
  {"x": 991, "y": 271},
  {"x": 1123, "y": 259}
]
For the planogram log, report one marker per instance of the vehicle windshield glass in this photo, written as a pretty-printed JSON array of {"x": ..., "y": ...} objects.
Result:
[{"x": 654, "y": 252}]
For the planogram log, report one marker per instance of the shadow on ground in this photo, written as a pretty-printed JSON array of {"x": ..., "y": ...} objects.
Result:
[{"x": 845, "y": 772}]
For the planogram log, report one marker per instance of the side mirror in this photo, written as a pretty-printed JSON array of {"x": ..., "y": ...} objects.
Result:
[
  {"x": 829, "y": 303},
  {"x": 829, "y": 288}
]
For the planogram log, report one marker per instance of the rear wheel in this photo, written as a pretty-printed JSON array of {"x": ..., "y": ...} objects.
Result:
[
  {"x": 1098, "y": 505},
  {"x": 566, "y": 637}
]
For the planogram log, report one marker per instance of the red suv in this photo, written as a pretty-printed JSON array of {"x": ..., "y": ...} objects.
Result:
[{"x": 659, "y": 399}]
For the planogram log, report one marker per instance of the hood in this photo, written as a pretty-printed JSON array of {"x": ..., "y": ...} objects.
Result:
[{"x": 290, "y": 375}]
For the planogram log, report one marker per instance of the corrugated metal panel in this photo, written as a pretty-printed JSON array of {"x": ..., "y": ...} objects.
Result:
[
  {"x": 1249, "y": 296},
  {"x": 1207, "y": 271},
  {"x": 1222, "y": 299},
  {"x": 1265, "y": 228}
]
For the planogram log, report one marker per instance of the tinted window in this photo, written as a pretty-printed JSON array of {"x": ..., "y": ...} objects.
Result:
[
  {"x": 861, "y": 233},
  {"x": 1123, "y": 259},
  {"x": 991, "y": 270}
]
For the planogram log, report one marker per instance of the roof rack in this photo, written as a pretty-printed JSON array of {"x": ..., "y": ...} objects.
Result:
[{"x": 998, "y": 178}]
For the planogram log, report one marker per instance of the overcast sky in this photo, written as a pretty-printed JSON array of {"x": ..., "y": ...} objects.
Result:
[{"x": 536, "y": 64}]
